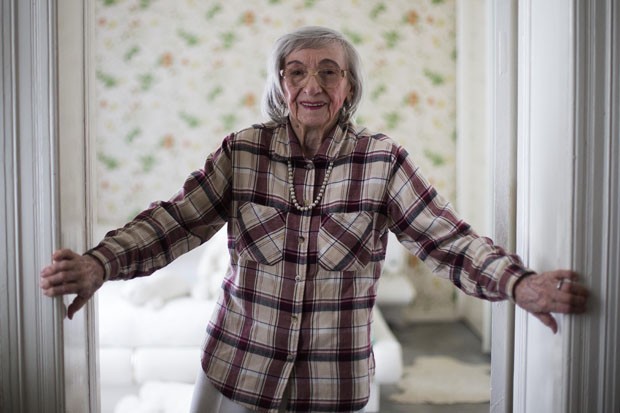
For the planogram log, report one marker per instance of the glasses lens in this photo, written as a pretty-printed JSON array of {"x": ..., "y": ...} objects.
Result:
[
  {"x": 328, "y": 76},
  {"x": 295, "y": 76}
]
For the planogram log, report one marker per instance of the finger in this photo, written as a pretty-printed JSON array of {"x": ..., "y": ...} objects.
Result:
[
  {"x": 77, "y": 303},
  {"x": 577, "y": 289},
  {"x": 548, "y": 320},
  {"x": 62, "y": 276},
  {"x": 61, "y": 289},
  {"x": 571, "y": 299},
  {"x": 561, "y": 278},
  {"x": 570, "y": 304},
  {"x": 64, "y": 254},
  {"x": 62, "y": 259},
  {"x": 578, "y": 296}
]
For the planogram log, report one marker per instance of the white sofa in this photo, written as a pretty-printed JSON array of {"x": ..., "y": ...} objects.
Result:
[{"x": 151, "y": 331}]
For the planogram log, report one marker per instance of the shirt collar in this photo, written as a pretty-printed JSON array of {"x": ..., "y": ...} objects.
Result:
[{"x": 286, "y": 145}]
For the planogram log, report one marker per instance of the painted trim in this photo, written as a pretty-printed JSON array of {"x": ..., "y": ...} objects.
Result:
[
  {"x": 75, "y": 83},
  {"x": 544, "y": 213},
  {"x": 579, "y": 366},
  {"x": 10, "y": 372},
  {"x": 594, "y": 374},
  {"x": 32, "y": 369},
  {"x": 502, "y": 107},
  {"x": 47, "y": 364},
  {"x": 523, "y": 192}
]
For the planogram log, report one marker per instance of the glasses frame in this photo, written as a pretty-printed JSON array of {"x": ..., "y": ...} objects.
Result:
[{"x": 343, "y": 73}]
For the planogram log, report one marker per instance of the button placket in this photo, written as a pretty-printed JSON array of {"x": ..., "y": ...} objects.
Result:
[
  {"x": 298, "y": 294},
  {"x": 308, "y": 185}
]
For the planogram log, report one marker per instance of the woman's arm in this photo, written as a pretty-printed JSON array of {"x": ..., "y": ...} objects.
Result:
[{"x": 152, "y": 240}]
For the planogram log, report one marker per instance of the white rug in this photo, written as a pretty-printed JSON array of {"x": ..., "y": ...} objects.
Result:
[{"x": 444, "y": 380}]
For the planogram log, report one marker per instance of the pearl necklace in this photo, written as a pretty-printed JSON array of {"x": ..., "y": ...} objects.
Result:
[{"x": 321, "y": 191}]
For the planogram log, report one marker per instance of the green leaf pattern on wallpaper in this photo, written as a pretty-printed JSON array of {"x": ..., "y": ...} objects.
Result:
[{"x": 174, "y": 77}]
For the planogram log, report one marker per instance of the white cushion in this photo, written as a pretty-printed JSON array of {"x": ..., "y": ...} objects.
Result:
[
  {"x": 212, "y": 267},
  {"x": 158, "y": 397},
  {"x": 155, "y": 290},
  {"x": 395, "y": 289},
  {"x": 176, "y": 364},
  {"x": 387, "y": 350},
  {"x": 115, "y": 368},
  {"x": 178, "y": 323},
  {"x": 395, "y": 286}
]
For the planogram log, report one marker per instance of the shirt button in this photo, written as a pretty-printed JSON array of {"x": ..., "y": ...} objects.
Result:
[
  {"x": 294, "y": 318},
  {"x": 298, "y": 278},
  {"x": 302, "y": 240},
  {"x": 290, "y": 357},
  {"x": 309, "y": 166}
]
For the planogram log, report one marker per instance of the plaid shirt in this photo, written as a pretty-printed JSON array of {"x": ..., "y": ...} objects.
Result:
[{"x": 296, "y": 304}]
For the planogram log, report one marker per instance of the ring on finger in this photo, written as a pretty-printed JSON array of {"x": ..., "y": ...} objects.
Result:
[{"x": 561, "y": 283}]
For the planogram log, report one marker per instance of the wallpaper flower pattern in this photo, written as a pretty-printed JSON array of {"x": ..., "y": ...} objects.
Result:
[{"x": 175, "y": 77}]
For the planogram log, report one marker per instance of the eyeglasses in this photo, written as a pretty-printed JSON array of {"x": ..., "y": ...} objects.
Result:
[{"x": 328, "y": 76}]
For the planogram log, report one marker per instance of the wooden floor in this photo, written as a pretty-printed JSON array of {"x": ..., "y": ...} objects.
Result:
[{"x": 430, "y": 339}]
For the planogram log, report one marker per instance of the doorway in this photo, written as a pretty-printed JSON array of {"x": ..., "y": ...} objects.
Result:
[{"x": 170, "y": 145}]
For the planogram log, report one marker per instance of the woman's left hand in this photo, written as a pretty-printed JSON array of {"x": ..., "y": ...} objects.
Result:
[{"x": 551, "y": 292}]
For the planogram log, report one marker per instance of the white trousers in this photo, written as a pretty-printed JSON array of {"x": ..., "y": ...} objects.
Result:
[{"x": 207, "y": 399}]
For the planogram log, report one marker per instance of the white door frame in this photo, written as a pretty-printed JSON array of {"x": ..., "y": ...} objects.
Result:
[
  {"x": 47, "y": 363},
  {"x": 593, "y": 376},
  {"x": 502, "y": 109},
  {"x": 569, "y": 199},
  {"x": 76, "y": 190},
  {"x": 31, "y": 363}
]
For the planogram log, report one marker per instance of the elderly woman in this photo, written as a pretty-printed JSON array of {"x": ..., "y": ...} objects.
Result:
[{"x": 309, "y": 198}]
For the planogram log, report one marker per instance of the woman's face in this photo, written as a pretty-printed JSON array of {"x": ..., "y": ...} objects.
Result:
[{"x": 312, "y": 105}]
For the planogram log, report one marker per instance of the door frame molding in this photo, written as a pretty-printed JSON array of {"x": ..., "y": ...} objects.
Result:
[
  {"x": 502, "y": 109},
  {"x": 576, "y": 370},
  {"x": 48, "y": 363},
  {"x": 77, "y": 190},
  {"x": 594, "y": 374},
  {"x": 31, "y": 370}
]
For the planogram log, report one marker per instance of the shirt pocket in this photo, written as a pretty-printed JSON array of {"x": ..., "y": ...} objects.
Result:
[
  {"x": 260, "y": 234},
  {"x": 346, "y": 241}
]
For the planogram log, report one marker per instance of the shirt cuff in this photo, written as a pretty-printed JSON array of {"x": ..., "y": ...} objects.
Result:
[
  {"x": 514, "y": 278},
  {"x": 107, "y": 261}
]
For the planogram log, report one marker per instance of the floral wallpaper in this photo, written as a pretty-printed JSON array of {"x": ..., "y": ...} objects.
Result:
[{"x": 173, "y": 77}]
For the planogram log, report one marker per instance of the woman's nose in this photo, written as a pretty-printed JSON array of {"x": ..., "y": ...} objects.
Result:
[{"x": 312, "y": 85}]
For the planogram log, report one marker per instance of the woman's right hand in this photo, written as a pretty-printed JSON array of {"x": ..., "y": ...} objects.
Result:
[{"x": 72, "y": 273}]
